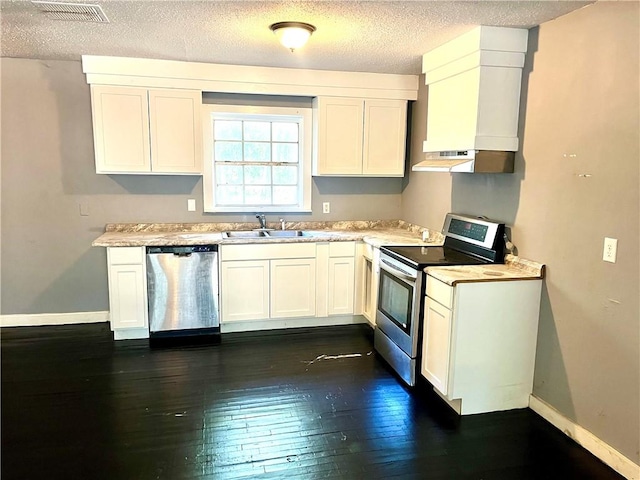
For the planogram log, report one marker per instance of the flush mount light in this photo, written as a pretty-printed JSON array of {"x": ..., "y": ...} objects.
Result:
[{"x": 292, "y": 34}]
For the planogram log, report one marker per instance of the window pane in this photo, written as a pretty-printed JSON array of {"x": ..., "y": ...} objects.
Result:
[
  {"x": 285, "y": 132},
  {"x": 285, "y": 175},
  {"x": 254, "y": 195},
  {"x": 255, "y": 174},
  {"x": 228, "y": 175},
  {"x": 229, "y": 195},
  {"x": 227, "y": 130},
  {"x": 257, "y": 152},
  {"x": 228, "y": 151},
  {"x": 257, "y": 131},
  {"x": 285, "y": 195},
  {"x": 285, "y": 152}
]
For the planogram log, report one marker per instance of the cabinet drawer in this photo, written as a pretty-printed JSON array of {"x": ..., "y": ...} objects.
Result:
[
  {"x": 267, "y": 252},
  {"x": 342, "y": 249},
  {"x": 440, "y": 292},
  {"x": 125, "y": 255}
]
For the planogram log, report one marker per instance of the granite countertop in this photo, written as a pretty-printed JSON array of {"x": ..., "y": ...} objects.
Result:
[
  {"x": 375, "y": 233},
  {"x": 514, "y": 268}
]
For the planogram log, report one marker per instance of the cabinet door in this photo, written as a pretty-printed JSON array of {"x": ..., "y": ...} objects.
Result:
[
  {"x": 176, "y": 134},
  {"x": 375, "y": 283},
  {"x": 385, "y": 134},
  {"x": 436, "y": 344},
  {"x": 339, "y": 136},
  {"x": 367, "y": 281},
  {"x": 244, "y": 289},
  {"x": 127, "y": 297},
  {"x": 121, "y": 129},
  {"x": 293, "y": 288},
  {"x": 341, "y": 285}
]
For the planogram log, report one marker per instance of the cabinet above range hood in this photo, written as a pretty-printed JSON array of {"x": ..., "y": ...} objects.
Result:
[{"x": 474, "y": 101}]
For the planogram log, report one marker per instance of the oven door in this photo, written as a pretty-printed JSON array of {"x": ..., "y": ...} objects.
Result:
[{"x": 399, "y": 304}]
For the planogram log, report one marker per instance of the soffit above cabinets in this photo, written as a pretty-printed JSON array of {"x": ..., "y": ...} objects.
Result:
[{"x": 142, "y": 72}]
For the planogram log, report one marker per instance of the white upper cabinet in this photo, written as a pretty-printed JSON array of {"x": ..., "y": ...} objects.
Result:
[
  {"x": 385, "y": 134},
  {"x": 141, "y": 130},
  {"x": 359, "y": 137},
  {"x": 121, "y": 129},
  {"x": 175, "y": 131}
]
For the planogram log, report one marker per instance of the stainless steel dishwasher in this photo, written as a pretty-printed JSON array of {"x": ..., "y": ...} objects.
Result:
[{"x": 182, "y": 287}]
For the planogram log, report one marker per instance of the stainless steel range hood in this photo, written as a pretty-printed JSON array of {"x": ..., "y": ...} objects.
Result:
[{"x": 467, "y": 161}]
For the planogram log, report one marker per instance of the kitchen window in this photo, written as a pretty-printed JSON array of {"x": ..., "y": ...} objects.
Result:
[{"x": 257, "y": 159}]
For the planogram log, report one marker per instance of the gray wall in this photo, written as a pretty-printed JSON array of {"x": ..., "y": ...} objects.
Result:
[
  {"x": 48, "y": 264},
  {"x": 580, "y": 116}
]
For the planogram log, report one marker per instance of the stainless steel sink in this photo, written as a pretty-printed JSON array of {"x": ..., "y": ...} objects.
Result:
[
  {"x": 244, "y": 234},
  {"x": 265, "y": 234},
  {"x": 286, "y": 233}
]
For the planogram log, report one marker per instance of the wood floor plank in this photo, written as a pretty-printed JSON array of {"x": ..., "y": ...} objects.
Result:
[{"x": 75, "y": 404}]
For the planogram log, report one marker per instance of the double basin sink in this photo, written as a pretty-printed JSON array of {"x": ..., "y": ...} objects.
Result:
[{"x": 265, "y": 234}]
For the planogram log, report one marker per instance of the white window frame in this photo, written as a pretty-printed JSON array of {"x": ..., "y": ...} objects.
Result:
[{"x": 212, "y": 111}]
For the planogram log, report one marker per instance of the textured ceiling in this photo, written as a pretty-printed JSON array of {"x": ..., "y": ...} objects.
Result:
[{"x": 366, "y": 36}]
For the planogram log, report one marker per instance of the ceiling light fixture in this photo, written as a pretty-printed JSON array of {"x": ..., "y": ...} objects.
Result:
[{"x": 292, "y": 34}]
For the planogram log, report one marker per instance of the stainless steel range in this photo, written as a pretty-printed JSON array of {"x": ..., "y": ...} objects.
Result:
[{"x": 468, "y": 241}]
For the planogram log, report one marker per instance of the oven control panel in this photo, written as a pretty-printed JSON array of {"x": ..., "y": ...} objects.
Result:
[{"x": 478, "y": 231}]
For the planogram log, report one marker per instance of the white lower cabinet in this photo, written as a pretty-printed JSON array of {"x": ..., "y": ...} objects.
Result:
[
  {"x": 436, "y": 344},
  {"x": 479, "y": 343},
  {"x": 277, "y": 282},
  {"x": 127, "y": 291},
  {"x": 341, "y": 285},
  {"x": 248, "y": 294},
  {"x": 370, "y": 275},
  {"x": 293, "y": 288},
  {"x": 260, "y": 282}
]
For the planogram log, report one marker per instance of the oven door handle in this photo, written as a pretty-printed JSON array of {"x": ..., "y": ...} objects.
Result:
[{"x": 394, "y": 271}]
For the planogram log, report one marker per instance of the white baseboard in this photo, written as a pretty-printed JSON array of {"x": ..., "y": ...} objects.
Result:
[
  {"x": 41, "y": 319},
  {"x": 586, "y": 439}
]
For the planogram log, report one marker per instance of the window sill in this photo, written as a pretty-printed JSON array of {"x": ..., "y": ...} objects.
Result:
[{"x": 256, "y": 209}]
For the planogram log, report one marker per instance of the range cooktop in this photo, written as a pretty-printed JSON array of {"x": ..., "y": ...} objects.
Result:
[{"x": 420, "y": 257}]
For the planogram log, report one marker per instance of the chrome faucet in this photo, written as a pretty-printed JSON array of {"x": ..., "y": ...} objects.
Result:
[
  {"x": 282, "y": 223},
  {"x": 261, "y": 220}
]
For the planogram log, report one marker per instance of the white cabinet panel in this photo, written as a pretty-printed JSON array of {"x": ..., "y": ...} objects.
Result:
[
  {"x": 436, "y": 344},
  {"x": 121, "y": 129},
  {"x": 371, "y": 280},
  {"x": 139, "y": 130},
  {"x": 339, "y": 136},
  {"x": 176, "y": 134},
  {"x": 293, "y": 288},
  {"x": 341, "y": 285},
  {"x": 244, "y": 290},
  {"x": 127, "y": 296},
  {"x": 384, "y": 137},
  {"x": 359, "y": 137}
]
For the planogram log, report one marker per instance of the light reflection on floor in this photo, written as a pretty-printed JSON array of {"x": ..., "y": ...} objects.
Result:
[{"x": 269, "y": 429}]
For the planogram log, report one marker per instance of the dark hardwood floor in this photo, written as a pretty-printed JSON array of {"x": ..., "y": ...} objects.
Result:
[{"x": 76, "y": 405}]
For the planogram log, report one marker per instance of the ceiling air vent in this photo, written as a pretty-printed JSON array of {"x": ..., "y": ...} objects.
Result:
[{"x": 78, "y": 12}]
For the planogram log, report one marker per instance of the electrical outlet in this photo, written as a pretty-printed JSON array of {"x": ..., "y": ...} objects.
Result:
[
  {"x": 326, "y": 207},
  {"x": 191, "y": 204},
  {"x": 610, "y": 249}
]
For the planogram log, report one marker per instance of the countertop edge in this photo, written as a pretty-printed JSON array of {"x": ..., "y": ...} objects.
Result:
[
  {"x": 514, "y": 269},
  {"x": 395, "y": 236}
]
